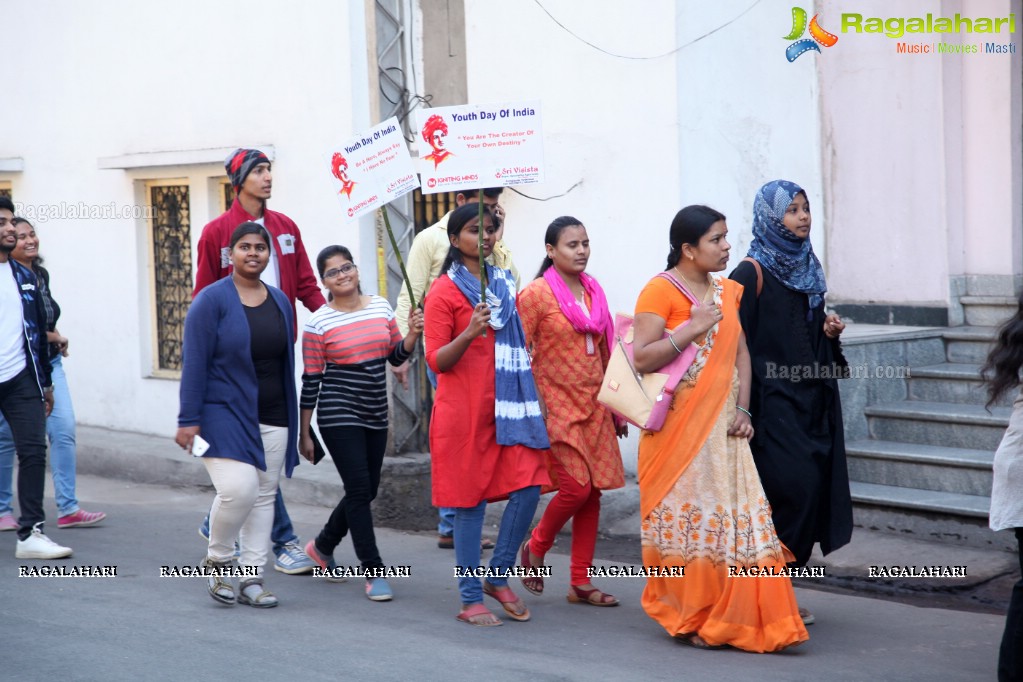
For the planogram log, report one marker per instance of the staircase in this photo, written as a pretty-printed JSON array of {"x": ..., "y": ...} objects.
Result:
[{"x": 922, "y": 465}]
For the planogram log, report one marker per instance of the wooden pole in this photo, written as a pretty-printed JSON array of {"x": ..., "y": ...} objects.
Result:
[{"x": 397, "y": 254}]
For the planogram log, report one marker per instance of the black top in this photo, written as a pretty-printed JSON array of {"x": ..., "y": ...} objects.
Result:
[
  {"x": 799, "y": 443},
  {"x": 269, "y": 340},
  {"x": 51, "y": 307}
]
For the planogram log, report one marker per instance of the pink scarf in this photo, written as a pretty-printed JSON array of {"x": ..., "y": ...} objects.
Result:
[{"x": 598, "y": 321}]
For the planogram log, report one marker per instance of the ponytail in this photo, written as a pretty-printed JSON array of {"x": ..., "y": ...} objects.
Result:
[{"x": 547, "y": 262}]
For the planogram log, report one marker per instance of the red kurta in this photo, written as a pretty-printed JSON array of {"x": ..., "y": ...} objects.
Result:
[{"x": 467, "y": 464}]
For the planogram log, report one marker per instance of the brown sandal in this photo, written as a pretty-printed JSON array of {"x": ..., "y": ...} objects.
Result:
[
  {"x": 533, "y": 584},
  {"x": 697, "y": 642},
  {"x": 594, "y": 597}
]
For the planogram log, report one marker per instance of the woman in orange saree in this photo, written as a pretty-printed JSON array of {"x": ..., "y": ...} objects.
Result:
[{"x": 702, "y": 504}]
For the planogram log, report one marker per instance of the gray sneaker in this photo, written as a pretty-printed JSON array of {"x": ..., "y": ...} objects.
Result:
[{"x": 293, "y": 561}]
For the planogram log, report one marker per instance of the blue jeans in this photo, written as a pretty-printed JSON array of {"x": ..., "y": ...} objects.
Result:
[
  {"x": 447, "y": 520},
  {"x": 447, "y": 514},
  {"x": 60, "y": 428},
  {"x": 469, "y": 529},
  {"x": 283, "y": 532}
]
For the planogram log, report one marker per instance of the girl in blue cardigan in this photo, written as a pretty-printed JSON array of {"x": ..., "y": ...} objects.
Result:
[{"x": 238, "y": 392}]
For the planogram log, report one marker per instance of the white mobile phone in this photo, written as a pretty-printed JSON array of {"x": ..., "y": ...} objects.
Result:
[{"x": 199, "y": 446}]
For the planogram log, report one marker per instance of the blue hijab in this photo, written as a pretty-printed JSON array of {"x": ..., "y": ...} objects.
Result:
[{"x": 783, "y": 254}]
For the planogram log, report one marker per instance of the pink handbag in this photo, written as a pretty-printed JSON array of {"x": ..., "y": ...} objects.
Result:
[{"x": 642, "y": 399}]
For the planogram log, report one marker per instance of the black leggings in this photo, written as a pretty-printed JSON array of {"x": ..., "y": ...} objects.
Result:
[
  {"x": 1010, "y": 657},
  {"x": 358, "y": 454},
  {"x": 21, "y": 405}
]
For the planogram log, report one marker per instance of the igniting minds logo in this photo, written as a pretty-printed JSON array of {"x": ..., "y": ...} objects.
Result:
[{"x": 817, "y": 35}]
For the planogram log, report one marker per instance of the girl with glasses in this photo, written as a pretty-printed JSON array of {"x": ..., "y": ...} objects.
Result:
[{"x": 345, "y": 346}]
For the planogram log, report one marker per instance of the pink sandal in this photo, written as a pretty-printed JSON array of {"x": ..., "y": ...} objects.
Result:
[
  {"x": 474, "y": 611},
  {"x": 508, "y": 600}
]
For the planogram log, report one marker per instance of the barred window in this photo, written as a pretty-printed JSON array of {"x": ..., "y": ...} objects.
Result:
[
  {"x": 429, "y": 208},
  {"x": 226, "y": 195},
  {"x": 171, "y": 254}
]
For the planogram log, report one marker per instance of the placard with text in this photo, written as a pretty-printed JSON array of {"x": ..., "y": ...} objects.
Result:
[
  {"x": 372, "y": 169},
  {"x": 479, "y": 145}
]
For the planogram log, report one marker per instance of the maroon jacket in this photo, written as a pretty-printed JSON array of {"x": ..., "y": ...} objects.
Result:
[{"x": 296, "y": 274}]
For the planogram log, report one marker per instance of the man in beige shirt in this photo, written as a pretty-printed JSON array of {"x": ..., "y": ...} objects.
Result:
[{"x": 425, "y": 258}]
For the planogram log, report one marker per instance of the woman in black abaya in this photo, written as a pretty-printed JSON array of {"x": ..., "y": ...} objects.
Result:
[{"x": 799, "y": 446}]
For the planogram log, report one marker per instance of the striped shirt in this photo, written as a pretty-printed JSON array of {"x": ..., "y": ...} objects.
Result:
[{"x": 344, "y": 355}]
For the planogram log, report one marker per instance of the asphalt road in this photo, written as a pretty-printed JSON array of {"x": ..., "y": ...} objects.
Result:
[{"x": 140, "y": 626}]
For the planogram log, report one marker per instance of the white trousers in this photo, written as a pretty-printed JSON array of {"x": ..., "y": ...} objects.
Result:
[{"x": 243, "y": 509}]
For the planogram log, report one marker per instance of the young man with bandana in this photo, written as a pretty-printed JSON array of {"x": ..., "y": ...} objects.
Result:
[
  {"x": 289, "y": 270},
  {"x": 26, "y": 394}
]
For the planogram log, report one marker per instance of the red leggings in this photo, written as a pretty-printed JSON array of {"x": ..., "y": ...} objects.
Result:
[{"x": 581, "y": 503}]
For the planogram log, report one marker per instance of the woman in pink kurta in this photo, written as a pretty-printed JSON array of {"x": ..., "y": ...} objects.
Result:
[
  {"x": 568, "y": 327},
  {"x": 487, "y": 437}
]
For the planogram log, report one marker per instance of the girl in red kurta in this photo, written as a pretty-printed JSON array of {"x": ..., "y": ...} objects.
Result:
[
  {"x": 487, "y": 437},
  {"x": 568, "y": 327}
]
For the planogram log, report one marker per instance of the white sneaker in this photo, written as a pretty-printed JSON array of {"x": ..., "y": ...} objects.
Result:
[{"x": 38, "y": 546}]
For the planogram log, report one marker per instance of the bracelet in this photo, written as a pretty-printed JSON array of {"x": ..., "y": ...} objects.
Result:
[
  {"x": 674, "y": 345},
  {"x": 748, "y": 414}
]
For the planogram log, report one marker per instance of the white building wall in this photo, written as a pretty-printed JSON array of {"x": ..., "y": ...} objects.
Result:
[
  {"x": 746, "y": 115},
  {"x": 88, "y": 81},
  {"x": 610, "y": 126},
  {"x": 920, "y": 182},
  {"x": 992, "y": 228}
]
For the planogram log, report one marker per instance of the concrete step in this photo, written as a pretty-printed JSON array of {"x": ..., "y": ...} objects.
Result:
[
  {"x": 935, "y": 423},
  {"x": 952, "y": 382},
  {"x": 958, "y": 504},
  {"x": 969, "y": 344},
  {"x": 991, "y": 311},
  {"x": 925, "y": 514},
  {"x": 925, "y": 467}
]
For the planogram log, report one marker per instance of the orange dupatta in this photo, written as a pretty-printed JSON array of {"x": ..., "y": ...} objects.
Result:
[{"x": 665, "y": 454}]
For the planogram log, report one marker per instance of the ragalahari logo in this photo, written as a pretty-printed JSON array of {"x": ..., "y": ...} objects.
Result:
[{"x": 817, "y": 35}]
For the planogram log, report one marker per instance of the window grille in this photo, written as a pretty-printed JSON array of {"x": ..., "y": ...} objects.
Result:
[
  {"x": 228, "y": 194},
  {"x": 429, "y": 208},
  {"x": 172, "y": 270}
]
